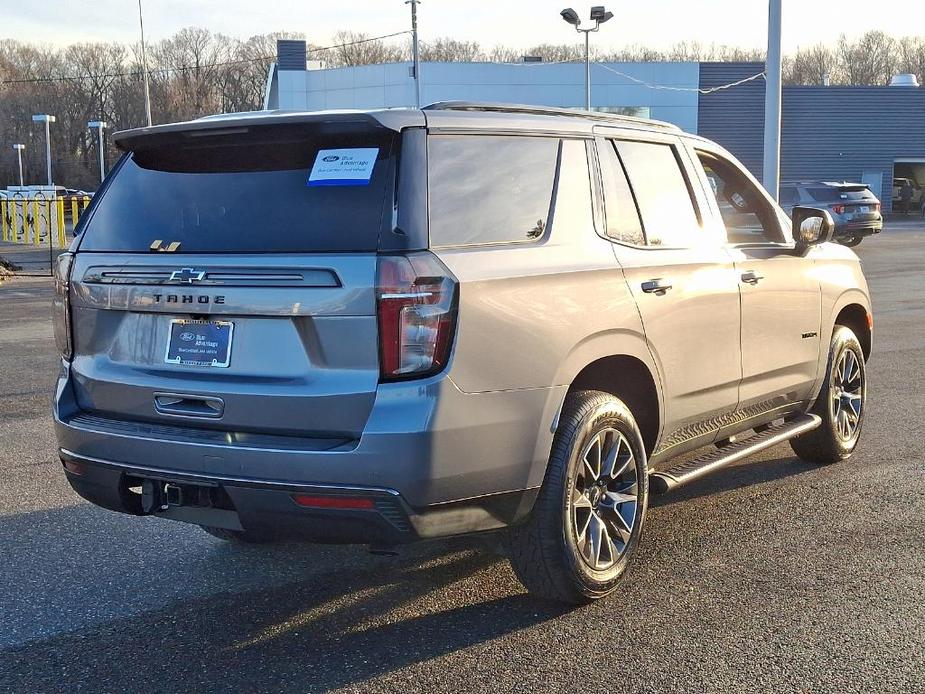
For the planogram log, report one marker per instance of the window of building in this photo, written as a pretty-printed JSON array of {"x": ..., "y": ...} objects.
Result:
[
  {"x": 636, "y": 111},
  {"x": 662, "y": 193},
  {"x": 489, "y": 189}
]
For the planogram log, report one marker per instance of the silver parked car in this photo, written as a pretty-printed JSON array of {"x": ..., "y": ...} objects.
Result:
[
  {"x": 854, "y": 208},
  {"x": 382, "y": 327}
]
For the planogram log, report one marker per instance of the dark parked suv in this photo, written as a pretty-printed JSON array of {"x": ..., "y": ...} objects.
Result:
[
  {"x": 854, "y": 208},
  {"x": 395, "y": 325}
]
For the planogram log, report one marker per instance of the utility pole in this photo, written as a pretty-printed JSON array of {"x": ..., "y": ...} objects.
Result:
[
  {"x": 19, "y": 148},
  {"x": 416, "y": 56},
  {"x": 772, "y": 101},
  {"x": 144, "y": 66}
]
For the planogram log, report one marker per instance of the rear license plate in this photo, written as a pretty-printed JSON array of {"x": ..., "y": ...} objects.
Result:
[
  {"x": 199, "y": 343},
  {"x": 863, "y": 209}
]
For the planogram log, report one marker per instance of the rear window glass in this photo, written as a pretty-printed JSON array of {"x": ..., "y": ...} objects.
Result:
[
  {"x": 244, "y": 193},
  {"x": 823, "y": 194},
  {"x": 664, "y": 199},
  {"x": 622, "y": 216},
  {"x": 489, "y": 189}
]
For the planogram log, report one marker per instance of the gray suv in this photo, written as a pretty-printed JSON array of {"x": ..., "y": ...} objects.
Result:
[
  {"x": 382, "y": 327},
  {"x": 854, "y": 208}
]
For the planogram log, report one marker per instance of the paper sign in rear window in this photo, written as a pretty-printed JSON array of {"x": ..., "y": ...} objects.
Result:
[{"x": 343, "y": 167}]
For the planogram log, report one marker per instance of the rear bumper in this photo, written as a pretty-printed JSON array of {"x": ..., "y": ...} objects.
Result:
[
  {"x": 864, "y": 228},
  {"x": 269, "y": 508},
  {"x": 454, "y": 462}
]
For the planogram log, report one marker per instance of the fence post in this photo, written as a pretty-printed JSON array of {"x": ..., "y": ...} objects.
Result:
[
  {"x": 62, "y": 236},
  {"x": 73, "y": 214},
  {"x": 19, "y": 223},
  {"x": 6, "y": 230},
  {"x": 35, "y": 223}
]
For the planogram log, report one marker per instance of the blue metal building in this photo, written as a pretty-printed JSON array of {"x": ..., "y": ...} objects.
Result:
[{"x": 869, "y": 134}]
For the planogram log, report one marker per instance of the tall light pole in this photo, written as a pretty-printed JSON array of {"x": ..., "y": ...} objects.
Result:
[
  {"x": 47, "y": 120},
  {"x": 100, "y": 125},
  {"x": 599, "y": 15},
  {"x": 19, "y": 148},
  {"x": 772, "y": 101},
  {"x": 416, "y": 56},
  {"x": 144, "y": 65}
]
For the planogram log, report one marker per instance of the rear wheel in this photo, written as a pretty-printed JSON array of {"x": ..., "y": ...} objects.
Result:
[
  {"x": 587, "y": 519},
  {"x": 840, "y": 404}
]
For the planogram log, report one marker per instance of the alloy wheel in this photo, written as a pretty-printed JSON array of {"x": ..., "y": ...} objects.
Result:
[
  {"x": 604, "y": 499},
  {"x": 846, "y": 395}
]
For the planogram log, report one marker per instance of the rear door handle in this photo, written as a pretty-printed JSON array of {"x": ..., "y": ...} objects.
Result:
[
  {"x": 751, "y": 277},
  {"x": 657, "y": 286}
]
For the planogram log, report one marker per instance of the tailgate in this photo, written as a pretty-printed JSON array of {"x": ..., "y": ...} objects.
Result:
[
  {"x": 226, "y": 279},
  {"x": 303, "y": 354}
]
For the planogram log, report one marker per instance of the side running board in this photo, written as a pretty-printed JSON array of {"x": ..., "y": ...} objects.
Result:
[{"x": 665, "y": 480}]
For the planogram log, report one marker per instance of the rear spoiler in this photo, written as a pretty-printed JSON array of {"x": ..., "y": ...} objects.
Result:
[{"x": 159, "y": 135}]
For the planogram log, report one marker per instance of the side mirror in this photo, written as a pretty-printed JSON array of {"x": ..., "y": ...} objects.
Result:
[{"x": 811, "y": 226}]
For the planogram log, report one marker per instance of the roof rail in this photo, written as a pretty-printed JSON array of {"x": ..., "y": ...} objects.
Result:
[{"x": 546, "y": 111}]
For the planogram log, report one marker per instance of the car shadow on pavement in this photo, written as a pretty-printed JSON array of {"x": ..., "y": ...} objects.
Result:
[
  {"x": 351, "y": 618},
  {"x": 741, "y": 475}
]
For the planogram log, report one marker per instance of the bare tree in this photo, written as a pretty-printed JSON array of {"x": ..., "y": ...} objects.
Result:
[
  {"x": 355, "y": 48},
  {"x": 912, "y": 56},
  {"x": 813, "y": 66},
  {"x": 872, "y": 59},
  {"x": 447, "y": 50}
]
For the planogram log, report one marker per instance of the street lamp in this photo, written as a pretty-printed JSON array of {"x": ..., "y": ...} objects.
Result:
[
  {"x": 19, "y": 149},
  {"x": 100, "y": 125},
  {"x": 47, "y": 120},
  {"x": 599, "y": 15}
]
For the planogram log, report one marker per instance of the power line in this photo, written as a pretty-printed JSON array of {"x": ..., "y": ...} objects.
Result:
[
  {"x": 184, "y": 68},
  {"x": 665, "y": 87}
]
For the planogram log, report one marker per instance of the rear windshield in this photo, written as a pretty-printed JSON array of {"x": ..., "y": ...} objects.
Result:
[
  {"x": 836, "y": 194},
  {"x": 277, "y": 189}
]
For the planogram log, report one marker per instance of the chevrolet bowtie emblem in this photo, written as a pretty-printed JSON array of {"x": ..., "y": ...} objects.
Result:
[{"x": 187, "y": 275}]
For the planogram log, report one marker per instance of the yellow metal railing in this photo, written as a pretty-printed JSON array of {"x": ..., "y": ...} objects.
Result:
[{"x": 41, "y": 221}]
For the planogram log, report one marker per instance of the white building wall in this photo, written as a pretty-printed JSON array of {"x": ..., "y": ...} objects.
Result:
[{"x": 390, "y": 85}]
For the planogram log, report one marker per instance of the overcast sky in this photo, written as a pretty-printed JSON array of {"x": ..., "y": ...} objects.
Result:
[{"x": 518, "y": 23}]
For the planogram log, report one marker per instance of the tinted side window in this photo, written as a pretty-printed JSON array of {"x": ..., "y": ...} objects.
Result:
[
  {"x": 572, "y": 211},
  {"x": 489, "y": 189},
  {"x": 746, "y": 213},
  {"x": 620, "y": 207},
  {"x": 662, "y": 193}
]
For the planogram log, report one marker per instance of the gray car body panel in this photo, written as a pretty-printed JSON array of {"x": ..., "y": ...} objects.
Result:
[{"x": 724, "y": 357}]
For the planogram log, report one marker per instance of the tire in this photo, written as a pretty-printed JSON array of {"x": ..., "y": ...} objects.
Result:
[
  {"x": 851, "y": 241},
  {"x": 841, "y": 404},
  {"x": 551, "y": 554},
  {"x": 236, "y": 536}
]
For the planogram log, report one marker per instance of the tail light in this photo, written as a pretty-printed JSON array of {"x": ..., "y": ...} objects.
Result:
[
  {"x": 61, "y": 305},
  {"x": 838, "y": 209},
  {"x": 875, "y": 207},
  {"x": 416, "y": 299}
]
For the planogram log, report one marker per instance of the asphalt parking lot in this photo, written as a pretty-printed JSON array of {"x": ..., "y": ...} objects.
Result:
[{"x": 773, "y": 575}]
